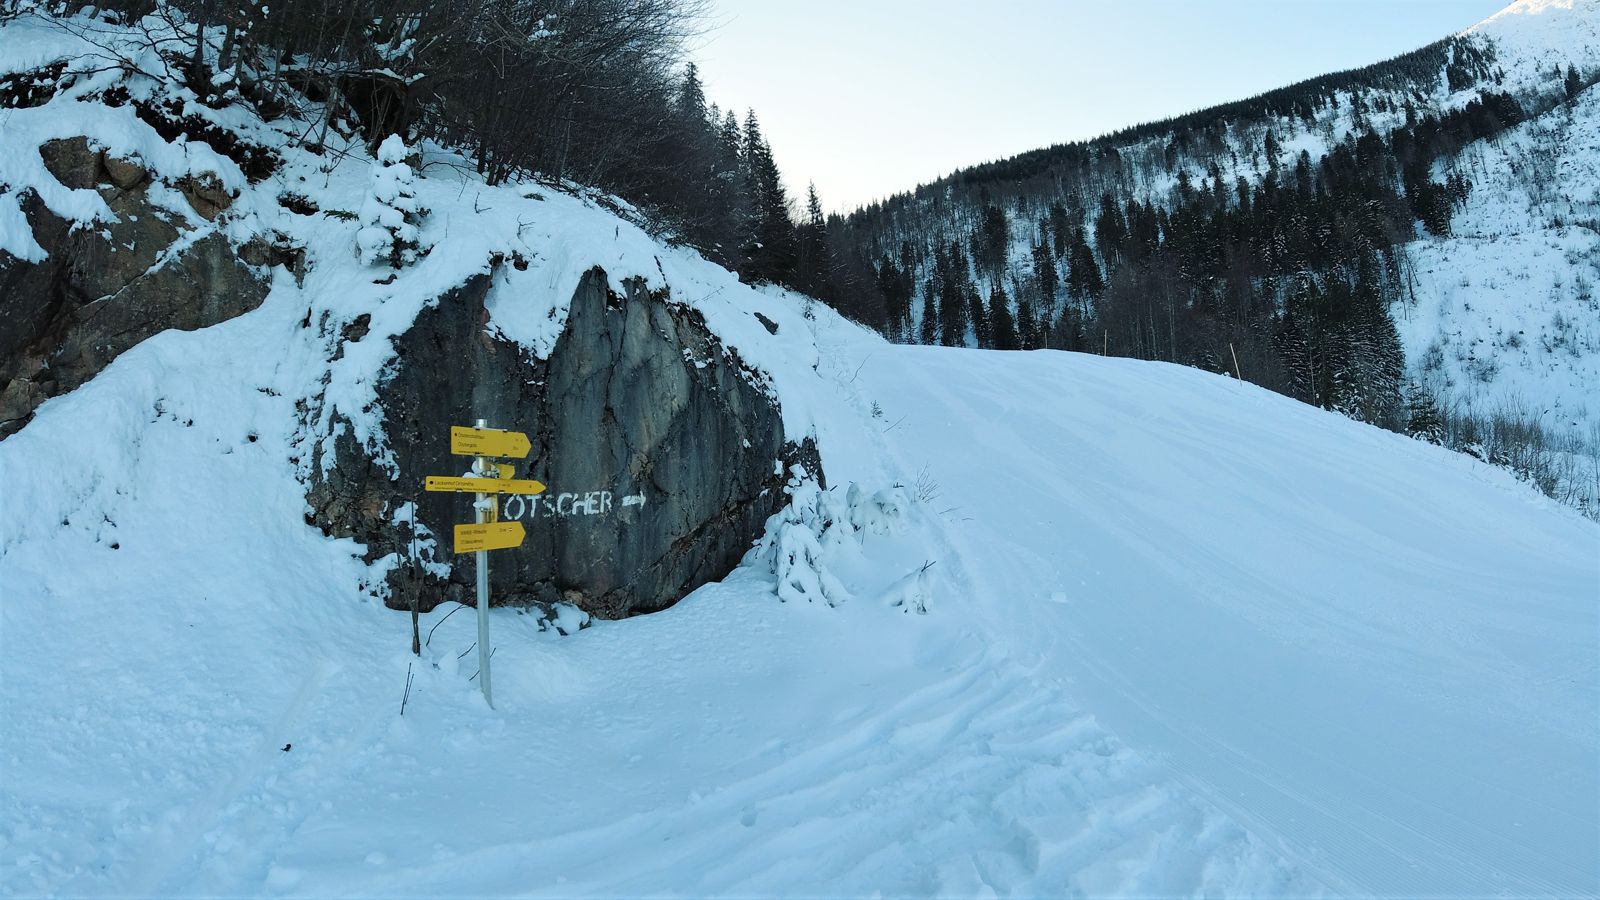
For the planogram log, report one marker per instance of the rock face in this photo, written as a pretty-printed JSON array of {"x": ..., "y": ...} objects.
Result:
[
  {"x": 662, "y": 452},
  {"x": 100, "y": 291}
]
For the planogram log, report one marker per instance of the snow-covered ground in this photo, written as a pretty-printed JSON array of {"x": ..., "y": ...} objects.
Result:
[{"x": 1182, "y": 636}]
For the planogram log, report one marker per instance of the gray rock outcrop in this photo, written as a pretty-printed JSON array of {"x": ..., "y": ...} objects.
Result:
[
  {"x": 664, "y": 455},
  {"x": 104, "y": 289}
]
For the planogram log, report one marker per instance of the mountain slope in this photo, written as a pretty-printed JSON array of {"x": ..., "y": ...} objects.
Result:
[
  {"x": 1504, "y": 309},
  {"x": 1267, "y": 238}
]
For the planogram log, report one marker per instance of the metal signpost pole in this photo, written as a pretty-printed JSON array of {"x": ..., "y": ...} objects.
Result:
[
  {"x": 481, "y": 508},
  {"x": 487, "y": 482}
]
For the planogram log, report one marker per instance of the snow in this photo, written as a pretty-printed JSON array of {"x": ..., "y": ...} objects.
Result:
[
  {"x": 1505, "y": 316},
  {"x": 27, "y": 44},
  {"x": 1183, "y": 636},
  {"x": 1178, "y": 635},
  {"x": 1533, "y": 36},
  {"x": 1327, "y": 637},
  {"x": 388, "y": 231}
]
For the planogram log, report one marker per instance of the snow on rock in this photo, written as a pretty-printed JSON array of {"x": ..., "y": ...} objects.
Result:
[
  {"x": 655, "y": 442},
  {"x": 85, "y": 293},
  {"x": 698, "y": 433}
]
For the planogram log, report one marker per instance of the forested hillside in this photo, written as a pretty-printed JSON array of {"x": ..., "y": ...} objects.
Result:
[
  {"x": 598, "y": 93},
  {"x": 1276, "y": 238}
]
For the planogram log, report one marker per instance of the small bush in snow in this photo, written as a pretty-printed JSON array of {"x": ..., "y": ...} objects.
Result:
[
  {"x": 911, "y": 592},
  {"x": 799, "y": 539},
  {"x": 389, "y": 234}
]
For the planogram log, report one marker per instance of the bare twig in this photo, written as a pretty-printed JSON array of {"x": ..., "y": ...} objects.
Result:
[
  {"x": 436, "y": 625},
  {"x": 491, "y": 656}
]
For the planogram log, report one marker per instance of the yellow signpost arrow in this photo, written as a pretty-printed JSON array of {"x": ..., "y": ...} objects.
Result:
[
  {"x": 495, "y": 536},
  {"x": 443, "y": 484},
  {"x": 489, "y": 442},
  {"x": 486, "y": 534}
]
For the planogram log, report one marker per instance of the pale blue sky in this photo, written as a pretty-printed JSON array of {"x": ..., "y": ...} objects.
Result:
[{"x": 871, "y": 97}]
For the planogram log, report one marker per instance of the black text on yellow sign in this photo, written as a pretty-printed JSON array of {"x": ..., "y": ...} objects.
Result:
[
  {"x": 489, "y": 442},
  {"x": 443, "y": 484},
  {"x": 494, "y": 536}
]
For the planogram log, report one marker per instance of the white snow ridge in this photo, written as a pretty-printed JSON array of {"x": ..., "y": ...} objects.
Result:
[{"x": 1090, "y": 627}]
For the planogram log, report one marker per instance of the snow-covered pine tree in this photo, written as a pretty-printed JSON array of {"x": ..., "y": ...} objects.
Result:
[
  {"x": 1424, "y": 421},
  {"x": 389, "y": 232}
]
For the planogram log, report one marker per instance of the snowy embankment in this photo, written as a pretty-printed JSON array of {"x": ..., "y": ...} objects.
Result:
[{"x": 1182, "y": 636}]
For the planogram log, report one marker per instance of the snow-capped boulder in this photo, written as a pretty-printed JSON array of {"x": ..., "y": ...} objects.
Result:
[{"x": 663, "y": 455}]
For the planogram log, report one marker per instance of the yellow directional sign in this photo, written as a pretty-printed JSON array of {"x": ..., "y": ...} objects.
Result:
[
  {"x": 441, "y": 484},
  {"x": 489, "y": 442},
  {"x": 497, "y": 536},
  {"x": 506, "y": 470}
]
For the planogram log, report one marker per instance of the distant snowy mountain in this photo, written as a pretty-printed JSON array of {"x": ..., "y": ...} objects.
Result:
[
  {"x": 1057, "y": 625},
  {"x": 1455, "y": 183}
]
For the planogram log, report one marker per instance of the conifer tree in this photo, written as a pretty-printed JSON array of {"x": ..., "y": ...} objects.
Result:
[
  {"x": 895, "y": 286},
  {"x": 1027, "y": 326},
  {"x": 952, "y": 313},
  {"x": 1083, "y": 273},
  {"x": 1109, "y": 229},
  {"x": 1423, "y": 419},
  {"x": 727, "y": 193},
  {"x": 1060, "y": 229},
  {"x": 691, "y": 100},
  {"x": 981, "y": 327},
  {"x": 771, "y": 252},
  {"x": 731, "y": 139},
  {"x": 1273, "y": 150},
  {"x": 1045, "y": 276},
  {"x": 814, "y": 258},
  {"x": 992, "y": 242},
  {"x": 696, "y": 184},
  {"x": 930, "y": 313},
  {"x": 389, "y": 232},
  {"x": 1001, "y": 323}
]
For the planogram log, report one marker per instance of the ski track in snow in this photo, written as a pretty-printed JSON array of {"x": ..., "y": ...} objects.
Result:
[{"x": 1310, "y": 768}]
